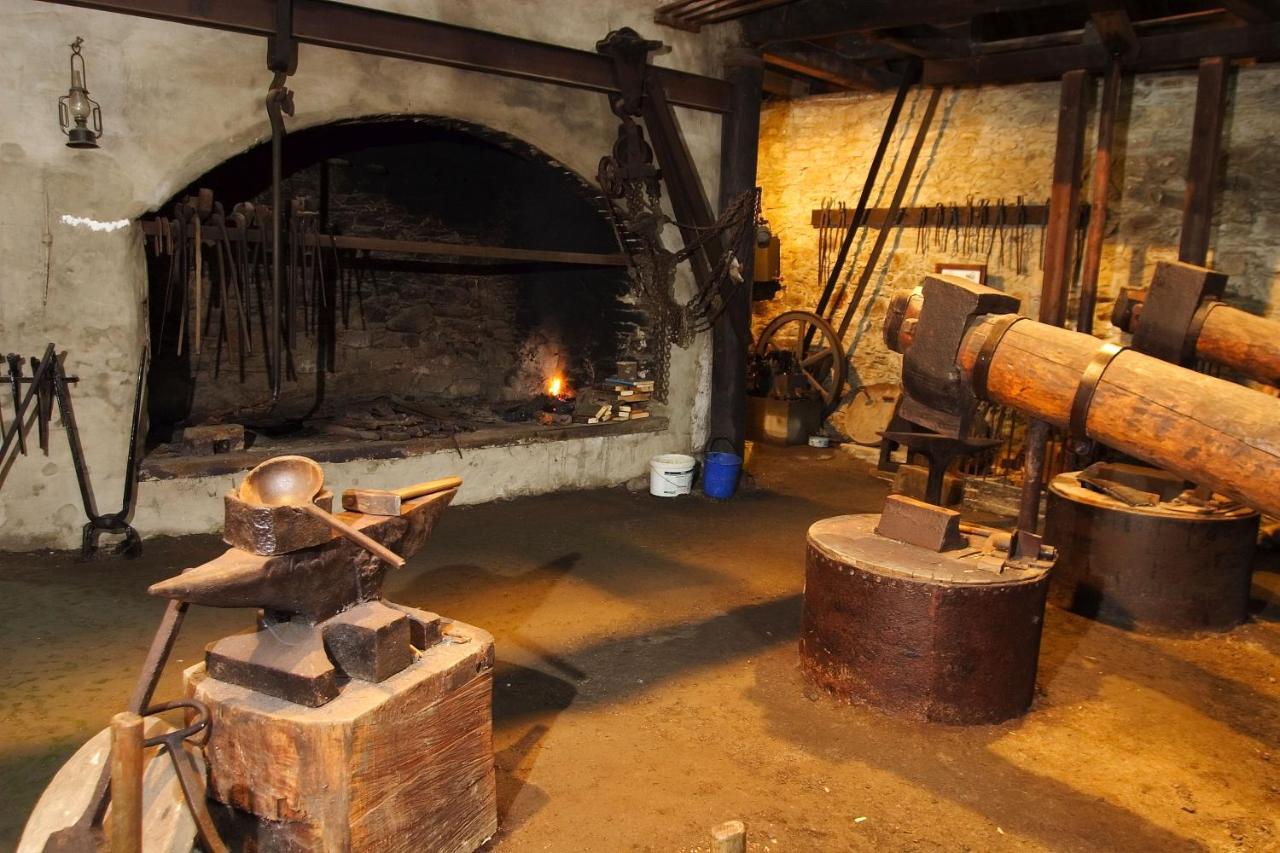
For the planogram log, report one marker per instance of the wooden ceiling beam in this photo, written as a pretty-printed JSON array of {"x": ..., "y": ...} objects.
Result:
[
  {"x": 812, "y": 19},
  {"x": 830, "y": 68},
  {"x": 924, "y": 42},
  {"x": 1253, "y": 11},
  {"x": 1166, "y": 50}
]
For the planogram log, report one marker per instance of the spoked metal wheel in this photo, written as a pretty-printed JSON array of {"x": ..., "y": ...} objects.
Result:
[{"x": 820, "y": 361}]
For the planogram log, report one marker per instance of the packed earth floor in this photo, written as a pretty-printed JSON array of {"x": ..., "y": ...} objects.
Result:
[{"x": 647, "y": 688}]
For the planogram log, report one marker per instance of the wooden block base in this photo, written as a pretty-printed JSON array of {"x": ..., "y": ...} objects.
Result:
[
  {"x": 405, "y": 764},
  {"x": 932, "y": 636},
  {"x": 1157, "y": 569}
]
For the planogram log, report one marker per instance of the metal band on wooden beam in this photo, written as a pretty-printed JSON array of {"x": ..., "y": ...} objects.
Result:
[
  {"x": 982, "y": 364},
  {"x": 1088, "y": 385}
]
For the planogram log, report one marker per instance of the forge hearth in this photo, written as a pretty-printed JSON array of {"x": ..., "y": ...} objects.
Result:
[{"x": 388, "y": 344}]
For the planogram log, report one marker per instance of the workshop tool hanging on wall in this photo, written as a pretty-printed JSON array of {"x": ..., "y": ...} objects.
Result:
[
  {"x": 712, "y": 245},
  {"x": 282, "y": 61},
  {"x": 235, "y": 258},
  {"x": 976, "y": 228},
  {"x": 47, "y": 385}
]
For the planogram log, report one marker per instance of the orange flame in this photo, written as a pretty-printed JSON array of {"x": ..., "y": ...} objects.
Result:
[{"x": 555, "y": 385}]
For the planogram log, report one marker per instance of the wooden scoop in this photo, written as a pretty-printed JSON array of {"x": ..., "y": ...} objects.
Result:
[
  {"x": 388, "y": 501},
  {"x": 295, "y": 481}
]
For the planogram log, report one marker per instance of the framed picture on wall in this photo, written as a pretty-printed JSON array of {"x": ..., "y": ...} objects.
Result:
[{"x": 976, "y": 273}]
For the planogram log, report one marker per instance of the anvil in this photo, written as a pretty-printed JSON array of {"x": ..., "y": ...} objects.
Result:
[{"x": 323, "y": 613}]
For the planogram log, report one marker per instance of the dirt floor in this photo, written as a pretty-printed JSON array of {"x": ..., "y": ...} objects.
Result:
[{"x": 647, "y": 689}]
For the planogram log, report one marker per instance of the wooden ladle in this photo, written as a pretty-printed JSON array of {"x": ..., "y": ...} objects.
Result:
[{"x": 295, "y": 481}]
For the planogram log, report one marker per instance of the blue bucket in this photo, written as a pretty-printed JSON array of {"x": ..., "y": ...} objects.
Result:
[{"x": 720, "y": 474}]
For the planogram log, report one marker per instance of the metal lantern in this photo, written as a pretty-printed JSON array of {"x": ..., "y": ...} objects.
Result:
[{"x": 76, "y": 110}]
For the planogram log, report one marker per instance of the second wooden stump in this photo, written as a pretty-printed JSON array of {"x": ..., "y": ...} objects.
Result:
[{"x": 935, "y": 636}]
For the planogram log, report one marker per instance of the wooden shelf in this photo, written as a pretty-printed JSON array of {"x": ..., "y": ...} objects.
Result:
[
  {"x": 911, "y": 217},
  {"x": 422, "y": 247}
]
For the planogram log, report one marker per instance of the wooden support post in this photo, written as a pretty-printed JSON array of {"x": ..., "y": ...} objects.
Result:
[
  {"x": 126, "y": 783},
  {"x": 1202, "y": 170},
  {"x": 1033, "y": 476},
  {"x": 1064, "y": 200},
  {"x": 731, "y": 336},
  {"x": 1098, "y": 200}
]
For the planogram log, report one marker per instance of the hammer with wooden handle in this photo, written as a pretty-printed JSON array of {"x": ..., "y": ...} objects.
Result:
[{"x": 388, "y": 501}]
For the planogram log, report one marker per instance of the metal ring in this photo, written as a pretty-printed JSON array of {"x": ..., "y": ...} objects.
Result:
[
  {"x": 1195, "y": 327},
  {"x": 199, "y": 724},
  {"x": 1088, "y": 384},
  {"x": 982, "y": 364}
]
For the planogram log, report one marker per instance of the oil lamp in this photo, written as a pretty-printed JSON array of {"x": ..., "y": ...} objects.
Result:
[{"x": 76, "y": 110}]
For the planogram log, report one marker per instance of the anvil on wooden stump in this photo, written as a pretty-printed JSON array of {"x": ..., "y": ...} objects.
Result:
[
  {"x": 906, "y": 614},
  {"x": 346, "y": 722},
  {"x": 323, "y": 620}
]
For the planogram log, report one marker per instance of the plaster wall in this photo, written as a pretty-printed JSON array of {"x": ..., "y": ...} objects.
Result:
[
  {"x": 177, "y": 100},
  {"x": 998, "y": 142}
]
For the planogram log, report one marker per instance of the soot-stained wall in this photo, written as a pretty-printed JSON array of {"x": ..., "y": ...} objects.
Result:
[{"x": 177, "y": 101}]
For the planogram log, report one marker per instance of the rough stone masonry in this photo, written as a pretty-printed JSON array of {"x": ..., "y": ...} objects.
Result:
[{"x": 998, "y": 142}]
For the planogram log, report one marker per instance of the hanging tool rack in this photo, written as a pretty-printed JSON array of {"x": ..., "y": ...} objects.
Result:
[
  {"x": 47, "y": 386},
  {"x": 1010, "y": 233},
  {"x": 224, "y": 311}
]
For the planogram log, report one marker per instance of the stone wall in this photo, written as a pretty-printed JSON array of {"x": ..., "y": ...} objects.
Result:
[
  {"x": 176, "y": 101},
  {"x": 998, "y": 142}
]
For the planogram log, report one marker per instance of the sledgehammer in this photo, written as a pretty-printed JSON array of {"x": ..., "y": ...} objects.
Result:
[{"x": 388, "y": 501}]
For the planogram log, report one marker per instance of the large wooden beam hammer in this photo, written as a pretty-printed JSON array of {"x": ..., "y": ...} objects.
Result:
[{"x": 388, "y": 501}]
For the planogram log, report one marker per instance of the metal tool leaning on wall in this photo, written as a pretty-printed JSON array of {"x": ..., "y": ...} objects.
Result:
[
  {"x": 957, "y": 351},
  {"x": 47, "y": 385}
]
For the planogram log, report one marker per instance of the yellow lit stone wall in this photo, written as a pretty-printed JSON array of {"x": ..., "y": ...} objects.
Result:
[{"x": 998, "y": 142}]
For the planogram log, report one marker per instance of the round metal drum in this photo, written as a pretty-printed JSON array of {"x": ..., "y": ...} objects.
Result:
[
  {"x": 1171, "y": 567},
  {"x": 927, "y": 635}
]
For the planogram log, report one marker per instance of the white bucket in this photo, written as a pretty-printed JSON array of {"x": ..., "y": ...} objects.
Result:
[{"x": 671, "y": 474}]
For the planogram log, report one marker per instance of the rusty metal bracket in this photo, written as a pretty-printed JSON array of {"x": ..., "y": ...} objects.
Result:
[{"x": 1088, "y": 385}]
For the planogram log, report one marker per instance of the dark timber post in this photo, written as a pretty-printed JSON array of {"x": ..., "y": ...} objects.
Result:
[
  {"x": 1202, "y": 171},
  {"x": 1098, "y": 201},
  {"x": 1064, "y": 201},
  {"x": 1059, "y": 263},
  {"x": 731, "y": 336}
]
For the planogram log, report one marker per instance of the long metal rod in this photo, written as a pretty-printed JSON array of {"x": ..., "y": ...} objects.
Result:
[
  {"x": 365, "y": 30},
  {"x": 882, "y": 236},
  {"x": 1098, "y": 200},
  {"x": 859, "y": 212}
]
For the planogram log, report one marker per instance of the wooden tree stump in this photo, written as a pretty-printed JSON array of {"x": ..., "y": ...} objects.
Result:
[
  {"x": 401, "y": 765},
  {"x": 1162, "y": 568},
  {"x": 927, "y": 635}
]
